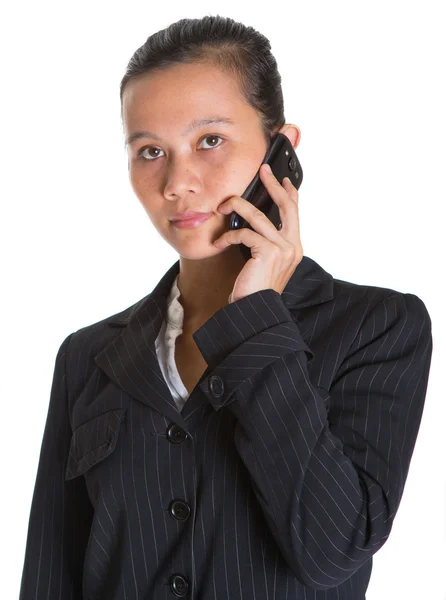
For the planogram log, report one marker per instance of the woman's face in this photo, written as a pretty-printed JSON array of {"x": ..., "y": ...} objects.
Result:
[{"x": 177, "y": 168}]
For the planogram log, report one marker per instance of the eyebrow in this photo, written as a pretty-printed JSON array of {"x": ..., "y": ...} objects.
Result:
[{"x": 195, "y": 124}]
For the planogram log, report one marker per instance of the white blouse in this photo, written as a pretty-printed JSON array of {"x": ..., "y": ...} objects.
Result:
[{"x": 171, "y": 328}]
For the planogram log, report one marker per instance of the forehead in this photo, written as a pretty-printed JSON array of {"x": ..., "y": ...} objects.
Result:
[{"x": 180, "y": 93}]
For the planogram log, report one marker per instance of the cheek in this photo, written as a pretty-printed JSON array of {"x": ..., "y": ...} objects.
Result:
[
  {"x": 141, "y": 184},
  {"x": 218, "y": 182},
  {"x": 237, "y": 180},
  {"x": 134, "y": 179},
  {"x": 142, "y": 188},
  {"x": 242, "y": 169},
  {"x": 226, "y": 180}
]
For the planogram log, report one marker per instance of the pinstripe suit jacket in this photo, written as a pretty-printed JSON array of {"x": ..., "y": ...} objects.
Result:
[{"x": 279, "y": 479}]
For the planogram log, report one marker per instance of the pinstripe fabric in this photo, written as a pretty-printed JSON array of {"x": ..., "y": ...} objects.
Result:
[{"x": 287, "y": 463}]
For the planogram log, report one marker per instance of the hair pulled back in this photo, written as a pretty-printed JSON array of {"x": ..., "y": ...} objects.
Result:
[{"x": 236, "y": 49}]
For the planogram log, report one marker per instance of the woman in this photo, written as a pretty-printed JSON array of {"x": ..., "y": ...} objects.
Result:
[{"x": 246, "y": 429}]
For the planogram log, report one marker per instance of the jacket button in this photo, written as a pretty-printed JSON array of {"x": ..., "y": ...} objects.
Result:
[
  {"x": 176, "y": 434},
  {"x": 216, "y": 386},
  {"x": 179, "y": 585},
  {"x": 179, "y": 509}
]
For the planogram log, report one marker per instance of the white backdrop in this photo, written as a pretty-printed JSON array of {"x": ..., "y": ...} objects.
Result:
[{"x": 365, "y": 82}]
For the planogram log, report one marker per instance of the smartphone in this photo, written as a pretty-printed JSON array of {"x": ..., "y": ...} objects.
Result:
[{"x": 284, "y": 163}]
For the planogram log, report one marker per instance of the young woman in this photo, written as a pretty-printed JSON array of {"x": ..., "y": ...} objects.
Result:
[{"x": 245, "y": 430}]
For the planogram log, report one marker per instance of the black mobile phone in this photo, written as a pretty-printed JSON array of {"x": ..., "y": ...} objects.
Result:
[{"x": 283, "y": 161}]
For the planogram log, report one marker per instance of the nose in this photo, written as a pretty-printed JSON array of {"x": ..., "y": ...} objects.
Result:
[{"x": 181, "y": 179}]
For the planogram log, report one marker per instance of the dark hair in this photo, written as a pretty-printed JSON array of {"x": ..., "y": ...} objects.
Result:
[{"x": 237, "y": 49}]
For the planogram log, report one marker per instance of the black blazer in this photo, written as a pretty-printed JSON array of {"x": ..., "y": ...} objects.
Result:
[{"x": 279, "y": 479}]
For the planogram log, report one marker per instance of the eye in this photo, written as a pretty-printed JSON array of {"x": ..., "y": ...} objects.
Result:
[
  {"x": 212, "y": 137},
  {"x": 142, "y": 150},
  {"x": 155, "y": 148}
]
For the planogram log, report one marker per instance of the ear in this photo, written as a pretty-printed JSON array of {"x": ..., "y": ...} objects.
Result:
[{"x": 292, "y": 132}]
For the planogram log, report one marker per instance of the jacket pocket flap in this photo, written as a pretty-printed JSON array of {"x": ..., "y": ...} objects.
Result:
[{"x": 92, "y": 441}]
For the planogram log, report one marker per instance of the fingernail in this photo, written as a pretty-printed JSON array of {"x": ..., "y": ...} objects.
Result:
[{"x": 268, "y": 168}]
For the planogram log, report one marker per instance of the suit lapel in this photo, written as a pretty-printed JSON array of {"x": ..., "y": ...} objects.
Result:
[{"x": 130, "y": 359}]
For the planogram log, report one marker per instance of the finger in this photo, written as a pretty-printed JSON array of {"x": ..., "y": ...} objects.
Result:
[
  {"x": 285, "y": 197},
  {"x": 259, "y": 222},
  {"x": 276, "y": 190},
  {"x": 292, "y": 191},
  {"x": 250, "y": 238},
  {"x": 239, "y": 236},
  {"x": 283, "y": 194}
]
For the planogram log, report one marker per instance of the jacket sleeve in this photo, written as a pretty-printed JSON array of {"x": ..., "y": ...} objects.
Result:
[
  {"x": 61, "y": 512},
  {"x": 328, "y": 467}
]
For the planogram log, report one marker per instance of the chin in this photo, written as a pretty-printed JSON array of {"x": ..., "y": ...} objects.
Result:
[{"x": 197, "y": 253}]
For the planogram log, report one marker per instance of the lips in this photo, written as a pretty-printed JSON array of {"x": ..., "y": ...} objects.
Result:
[
  {"x": 192, "y": 222},
  {"x": 188, "y": 215}
]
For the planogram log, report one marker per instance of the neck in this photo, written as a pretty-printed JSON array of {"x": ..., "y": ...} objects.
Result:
[{"x": 206, "y": 284}]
